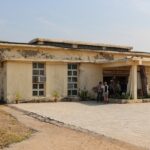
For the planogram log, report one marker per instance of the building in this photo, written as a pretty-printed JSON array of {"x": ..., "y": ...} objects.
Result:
[{"x": 42, "y": 67}]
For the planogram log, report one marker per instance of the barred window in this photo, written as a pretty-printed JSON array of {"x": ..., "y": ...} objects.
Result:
[
  {"x": 38, "y": 79},
  {"x": 72, "y": 79}
]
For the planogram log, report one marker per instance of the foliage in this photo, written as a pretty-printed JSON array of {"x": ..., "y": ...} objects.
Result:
[
  {"x": 126, "y": 96},
  {"x": 122, "y": 96},
  {"x": 17, "y": 97},
  {"x": 55, "y": 95},
  {"x": 83, "y": 94},
  {"x": 147, "y": 96}
]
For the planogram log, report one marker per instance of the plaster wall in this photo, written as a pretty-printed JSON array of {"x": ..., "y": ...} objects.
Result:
[
  {"x": 19, "y": 80},
  {"x": 89, "y": 77},
  {"x": 17, "y": 75},
  {"x": 56, "y": 79},
  {"x": 3, "y": 81},
  {"x": 53, "y": 55},
  {"x": 147, "y": 69}
]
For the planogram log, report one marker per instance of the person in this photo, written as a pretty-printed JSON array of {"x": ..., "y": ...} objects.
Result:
[
  {"x": 100, "y": 92},
  {"x": 118, "y": 88},
  {"x": 111, "y": 88},
  {"x": 123, "y": 86},
  {"x": 105, "y": 93}
]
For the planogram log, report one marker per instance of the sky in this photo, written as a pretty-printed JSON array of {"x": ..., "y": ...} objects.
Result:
[{"x": 120, "y": 22}]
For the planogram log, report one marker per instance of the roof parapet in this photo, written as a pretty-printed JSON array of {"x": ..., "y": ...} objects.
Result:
[{"x": 80, "y": 45}]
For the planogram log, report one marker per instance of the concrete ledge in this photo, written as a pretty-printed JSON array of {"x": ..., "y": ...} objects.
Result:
[
  {"x": 111, "y": 100},
  {"x": 146, "y": 100},
  {"x": 129, "y": 101}
]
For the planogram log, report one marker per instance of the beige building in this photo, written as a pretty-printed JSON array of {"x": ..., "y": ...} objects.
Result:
[{"x": 43, "y": 67}]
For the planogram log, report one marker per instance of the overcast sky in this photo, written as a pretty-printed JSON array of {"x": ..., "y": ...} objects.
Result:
[{"x": 123, "y": 22}]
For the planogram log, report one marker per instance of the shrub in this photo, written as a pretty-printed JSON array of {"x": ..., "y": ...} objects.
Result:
[
  {"x": 55, "y": 95},
  {"x": 83, "y": 94}
]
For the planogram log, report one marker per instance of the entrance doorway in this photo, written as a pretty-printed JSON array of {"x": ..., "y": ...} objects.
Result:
[
  {"x": 117, "y": 79},
  {"x": 121, "y": 80}
]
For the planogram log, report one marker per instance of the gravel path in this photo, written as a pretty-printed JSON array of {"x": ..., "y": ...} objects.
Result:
[{"x": 126, "y": 122}]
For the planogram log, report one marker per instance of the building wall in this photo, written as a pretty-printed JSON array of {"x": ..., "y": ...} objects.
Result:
[
  {"x": 89, "y": 77},
  {"x": 3, "y": 81},
  {"x": 56, "y": 79},
  {"x": 16, "y": 75},
  {"x": 148, "y": 78},
  {"x": 55, "y": 55},
  {"x": 19, "y": 80}
]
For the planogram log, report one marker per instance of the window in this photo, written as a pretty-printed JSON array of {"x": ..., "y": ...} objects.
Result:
[
  {"x": 72, "y": 79},
  {"x": 38, "y": 79}
]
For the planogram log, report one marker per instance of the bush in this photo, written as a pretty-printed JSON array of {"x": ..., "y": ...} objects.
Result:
[
  {"x": 55, "y": 96},
  {"x": 83, "y": 95},
  {"x": 122, "y": 96}
]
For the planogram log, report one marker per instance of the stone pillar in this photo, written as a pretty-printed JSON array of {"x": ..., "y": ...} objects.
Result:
[{"x": 134, "y": 81}]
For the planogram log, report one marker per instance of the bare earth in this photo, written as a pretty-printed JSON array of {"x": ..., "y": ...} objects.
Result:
[
  {"x": 11, "y": 130},
  {"x": 51, "y": 137}
]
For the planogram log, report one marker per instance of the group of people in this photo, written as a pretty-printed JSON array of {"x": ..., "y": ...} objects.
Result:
[
  {"x": 117, "y": 88},
  {"x": 112, "y": 90},
  {"x": 102, "y": 92}
]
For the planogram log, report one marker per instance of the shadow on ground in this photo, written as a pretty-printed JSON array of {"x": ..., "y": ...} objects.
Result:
[{"x": 91, "y": 103}]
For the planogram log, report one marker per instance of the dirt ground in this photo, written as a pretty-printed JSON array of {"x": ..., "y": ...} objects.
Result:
[
  {"x": 11, "y": 131},
  {"x": 52, "y": 137}
]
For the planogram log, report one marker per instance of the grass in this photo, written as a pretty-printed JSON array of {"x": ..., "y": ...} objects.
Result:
[{"x": 11, "y": 130}]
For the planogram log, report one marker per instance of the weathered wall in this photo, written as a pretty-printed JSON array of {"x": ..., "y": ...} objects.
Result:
[
  {"x": 139, "y": 82},
  {"x": 19, "y": 70},
  {"x": 3, "y": 81},
  {"x": 89, "y": 76},
  {"x": 19, "y": 80},
  {"x": 147, "y": 69},
  {"x": 53, "y": 55},
  {"x": 56, "y": 79}
]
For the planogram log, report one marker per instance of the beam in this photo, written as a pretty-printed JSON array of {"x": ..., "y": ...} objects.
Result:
[
  {"x": 120, "y": 63},
  {"x": 145, "y": 63}
]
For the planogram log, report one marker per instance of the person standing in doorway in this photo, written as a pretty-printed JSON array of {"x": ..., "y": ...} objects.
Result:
[
  {"x": 100, "y": 92},
  {"x": 106, "y": 92},
  {"x": 111, "y": 88}
]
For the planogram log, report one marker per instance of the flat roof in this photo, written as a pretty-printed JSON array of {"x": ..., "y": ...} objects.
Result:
[
  {"x": 33, "y": 45},
  {"x": 80, "y": 45}
]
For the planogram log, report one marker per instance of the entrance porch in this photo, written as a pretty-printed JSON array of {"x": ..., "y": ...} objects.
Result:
[{"x": 130, "y": 72}]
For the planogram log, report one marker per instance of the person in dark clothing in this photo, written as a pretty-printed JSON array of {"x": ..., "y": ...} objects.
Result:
[
  {"x": 123, "y": 87},
  {"x": 100, "y": 92},
  {"x": 111, "y": 88},
  {"x": 106, "y": 92}
]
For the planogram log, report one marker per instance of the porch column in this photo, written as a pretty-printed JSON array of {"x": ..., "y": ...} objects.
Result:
[{"x": 134, "y": 81}]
